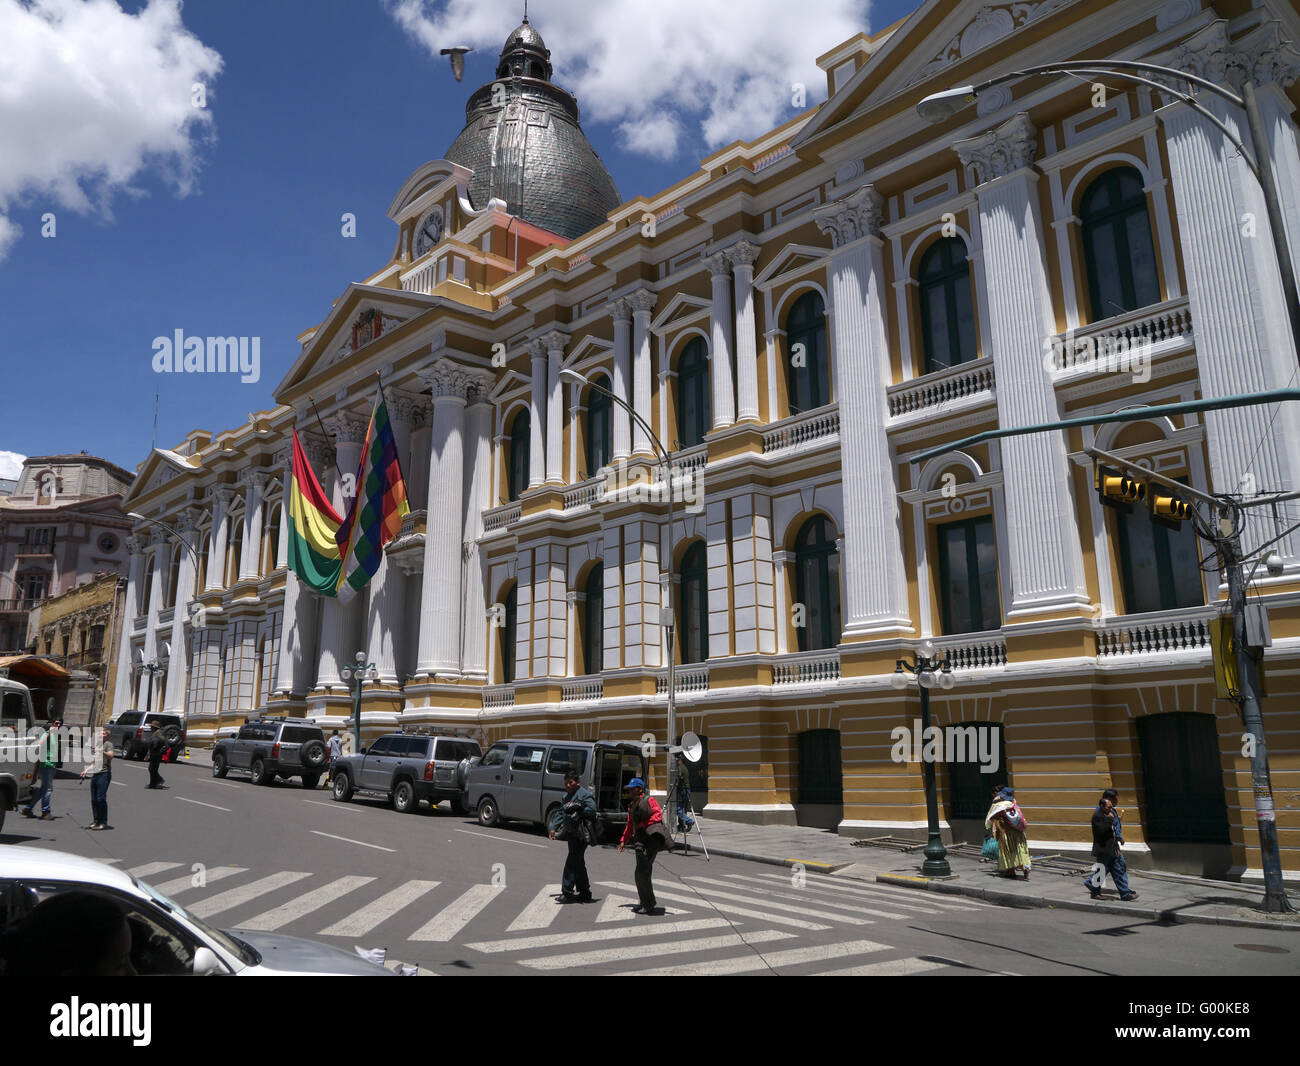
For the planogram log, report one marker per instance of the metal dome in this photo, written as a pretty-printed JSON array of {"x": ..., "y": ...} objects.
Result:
[{"x": 528, "y": 149}]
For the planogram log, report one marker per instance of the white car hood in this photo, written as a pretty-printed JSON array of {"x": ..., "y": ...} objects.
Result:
[{"x": 293, "y": 955}]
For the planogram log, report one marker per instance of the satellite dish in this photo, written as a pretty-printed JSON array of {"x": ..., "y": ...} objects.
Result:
[{"x": 692, "y": 748}]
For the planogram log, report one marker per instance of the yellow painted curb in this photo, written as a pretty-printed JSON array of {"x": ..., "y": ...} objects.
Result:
[
  {"x": 825, "y": 866},
  {"x": 894, "y": 878}
]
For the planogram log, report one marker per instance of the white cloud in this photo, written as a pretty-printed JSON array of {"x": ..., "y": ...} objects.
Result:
[
  {"x": 11, "y": 465},
  {"x": 91, "y": 97},
  {"x": 672, "y": 76}
]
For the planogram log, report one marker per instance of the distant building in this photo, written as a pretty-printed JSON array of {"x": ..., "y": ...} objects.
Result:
[{"x": 62, "y": 525}]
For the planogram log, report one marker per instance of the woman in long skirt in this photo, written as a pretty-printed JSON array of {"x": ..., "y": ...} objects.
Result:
[{"x": 1008, "y": 824}]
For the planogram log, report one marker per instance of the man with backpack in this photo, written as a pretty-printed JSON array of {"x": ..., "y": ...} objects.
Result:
[
  {"x": 577, "y": 821},
  {"x": 648, "y": 834}
]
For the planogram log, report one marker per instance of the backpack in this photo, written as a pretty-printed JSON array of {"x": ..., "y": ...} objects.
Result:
[{"x": 1015, "y": 817}]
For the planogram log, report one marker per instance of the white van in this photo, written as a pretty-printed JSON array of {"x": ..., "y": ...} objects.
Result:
[{"x": 17, "y": 770}]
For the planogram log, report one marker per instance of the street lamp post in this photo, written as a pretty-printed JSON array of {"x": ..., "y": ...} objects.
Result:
[
  {"x": 939, "y": 107},
  {"x": 928, "y": 670},
  {"x": 151, "y": 667},
  {"x": 356, "y": 676},
  {"x": 173, "y": 531},
  {"x": 667, "y": 617}
]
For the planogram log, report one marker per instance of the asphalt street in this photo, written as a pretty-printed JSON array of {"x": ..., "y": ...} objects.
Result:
[{"x": 441, "y": 892}]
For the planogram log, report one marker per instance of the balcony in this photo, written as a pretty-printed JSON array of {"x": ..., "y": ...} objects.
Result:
[
  {"x": 1157, "y": 633},
  {"x": 819, "y": 425},
  {"x": 582, "y": 689},
  {"x": 20, "y": 606},
  {"x": 585, "y": 493},
  {"x": 500, "y": 517},
  {"x": 973, "y": 651},
  {"x": 685, "y": 679},
  {"x": 1125, "y": 343},
  {"x": 498, "y": 697},
  {"x": 807, "y": 668},
  {"x": 943, "y": 386}
]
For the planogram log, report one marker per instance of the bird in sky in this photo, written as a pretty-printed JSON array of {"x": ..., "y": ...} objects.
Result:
[{"x": 457, "y": 59}]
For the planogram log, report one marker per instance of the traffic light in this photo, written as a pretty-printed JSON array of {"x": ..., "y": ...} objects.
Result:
[
  {"x": 1168, "y": 507},
  {"x": 1115, "y": 488}
]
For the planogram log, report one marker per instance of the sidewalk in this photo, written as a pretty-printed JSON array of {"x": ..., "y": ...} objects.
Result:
[{"x": 1055, "y": 881}]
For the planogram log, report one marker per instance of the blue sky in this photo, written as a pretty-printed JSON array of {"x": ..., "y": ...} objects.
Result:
[{"x": 228, "y": 222}]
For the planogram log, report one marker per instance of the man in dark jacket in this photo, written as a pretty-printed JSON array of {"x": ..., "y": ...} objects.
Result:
[
  {"x": 1107, "y": 847},
  {"x": 579, "y": 809},
  {"x": 157, "y": 745},
  {"x": 648, "y": 834}
]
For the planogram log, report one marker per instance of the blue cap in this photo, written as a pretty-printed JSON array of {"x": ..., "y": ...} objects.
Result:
[{"x": 636, "y": 782}]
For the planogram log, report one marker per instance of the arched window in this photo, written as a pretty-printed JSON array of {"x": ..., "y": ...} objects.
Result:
[
  {"x": 271, "y": 540},
  {"x": 146, "y": 586},
  {"x": 202, "y": 578},
  {"x": 600, "y": 427},
  {"x": 817, "y": 584},
  {"x": 508, "y": 630},
  {"x": 234, "y": 552},
  {"x": 968, "y": 576},
  {"x": 173, "y": 577},
  {"x": 593, "y": 621},
  {"x": 520, "y": 434},
  {"x": 947, "y": 310},
  {"x": 694, "y": 612},
  {"x": 1117, "y": 246},
  {"x": 693, "y": 415},
  {"x": 810, "y": 382}
]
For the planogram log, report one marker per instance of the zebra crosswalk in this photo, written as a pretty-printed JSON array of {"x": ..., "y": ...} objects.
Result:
[{"x": 714, "y": 922}]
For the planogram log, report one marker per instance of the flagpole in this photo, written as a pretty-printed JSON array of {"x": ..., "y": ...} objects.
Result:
[{"x": 328, "y": 438}]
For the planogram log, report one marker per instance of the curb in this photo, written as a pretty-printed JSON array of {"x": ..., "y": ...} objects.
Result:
[
  {"x": 807, "y": 864},
  {"x": 1013, "y": 899}
]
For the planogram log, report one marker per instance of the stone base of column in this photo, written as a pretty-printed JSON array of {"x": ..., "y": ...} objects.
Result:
[
  {"x": 1064, "y": 606},
  {"x": 879, "y": 628}
]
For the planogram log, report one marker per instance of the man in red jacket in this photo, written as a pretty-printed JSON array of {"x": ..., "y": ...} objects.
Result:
[{"x": 645, "y": 829}]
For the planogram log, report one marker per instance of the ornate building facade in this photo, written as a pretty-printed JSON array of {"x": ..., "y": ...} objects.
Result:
[{"x": 797, "y": 320}]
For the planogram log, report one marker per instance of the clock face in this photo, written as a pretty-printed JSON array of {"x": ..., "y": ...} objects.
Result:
[
  {"x": 428, "y": 232},
  {"x": 108, "y": 543}
]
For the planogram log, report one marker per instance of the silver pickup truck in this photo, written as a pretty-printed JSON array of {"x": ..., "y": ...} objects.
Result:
[{"x": 407, "y": 768}]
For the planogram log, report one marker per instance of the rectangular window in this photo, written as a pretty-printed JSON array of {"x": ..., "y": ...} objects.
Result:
[
  {"x": 565, "y": 759},
  {"x": 968, "y": 576},
  {"x": 527, "y": 757},
  {"x": 1160, "y": 566}
]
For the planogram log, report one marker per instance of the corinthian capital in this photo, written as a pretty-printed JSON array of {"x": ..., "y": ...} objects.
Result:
[
  {"x": 347, "y": 428},
  {"x": 743, "y": 253},
  {"x": 403, "y": 406},
  {"x": 1010, "y": 147},
  {"x": 858, "y": 215},
  {"x": 447, "y": 378},
  {"x": 718, "y": 263},
  {"x": 643, "y": 301},
  {"x": 619, "y": 310},
  {"x": 135, "y": 543},
  {"x": 555, "y": 340},
  {"x": 1263, "y": 56}
]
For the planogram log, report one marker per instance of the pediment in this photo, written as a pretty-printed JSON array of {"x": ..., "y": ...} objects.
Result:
[
  {"x": 937, "y": 36},
  {"x": 681, "y": 308},
  {"x": 583, "y": 349},
  {"x": 363, "y": 314},
  {"x": 792, "y": 259},
  {"x": 162, "y": 467},
  {"x": 431, "y": 177}
]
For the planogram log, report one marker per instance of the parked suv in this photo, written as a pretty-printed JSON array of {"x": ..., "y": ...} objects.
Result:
[
  {"x": 407, "y": 768},
  {"x": 524, "y": 779},
  {"x": 129, "y": 733},
  {"x": 274, "y": 747},
  {"x": 16, "y": 768}
]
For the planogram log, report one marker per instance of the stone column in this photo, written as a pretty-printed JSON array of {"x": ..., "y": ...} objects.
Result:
[
  {"x": 339, "y": 620},
  {"x": 571, "y": 631},
  {"x": 553, "y": 342},
  {"x": 221, "y": 495},
  {"x": 478, "y": 478},
  {"x": 1046, "y": 558},
  {"x": 441, "y": 606},
  {"x": 621, "y": 312},
  {"x": 250, "y": 561},
  {"x": 742, "y": 257},
  {"x": 875, "y": 586},
  {"x": 779, "y": 561},
  {"x": 1243, "y": 341},
  {"x": 537, "y": 417},
  {"x": 576, "y": 461},
  {"x": 178, "y": 660},
  {"x": 642, "y": 302},
  {"x": 417, "y": 473},
  {"x": 161, "y": 547},
  {"x": 122, "y": 684},
  {"x": 721, "y": 382}
]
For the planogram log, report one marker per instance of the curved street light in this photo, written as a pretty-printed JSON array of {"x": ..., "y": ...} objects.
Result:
[
  {"x": 666, "y": 616},
  {"x": 355, "y": 677},
  {"x": 927, "y": 671},
  {"x": 170, "y": 529}
]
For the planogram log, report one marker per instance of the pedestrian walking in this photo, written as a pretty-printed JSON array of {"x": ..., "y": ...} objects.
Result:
[
  {"x": 47, "y": 755},
  {"x": 156, "y": 747},
  {"x": 334, "y": 748},
  {"x": 1108, "y": 848},
  {"x": 682, "y": 796},
  {"x": 1008, "y": 824},
  {"x": 646, "y": 831},
  {"x": 100, "y": 768},
  {"x": 577, "y": 822}
]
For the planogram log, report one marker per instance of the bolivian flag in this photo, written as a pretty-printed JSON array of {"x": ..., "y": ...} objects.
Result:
[
  {"x": 378, "y": 508},
  {"x": 313, "y": 526}
]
